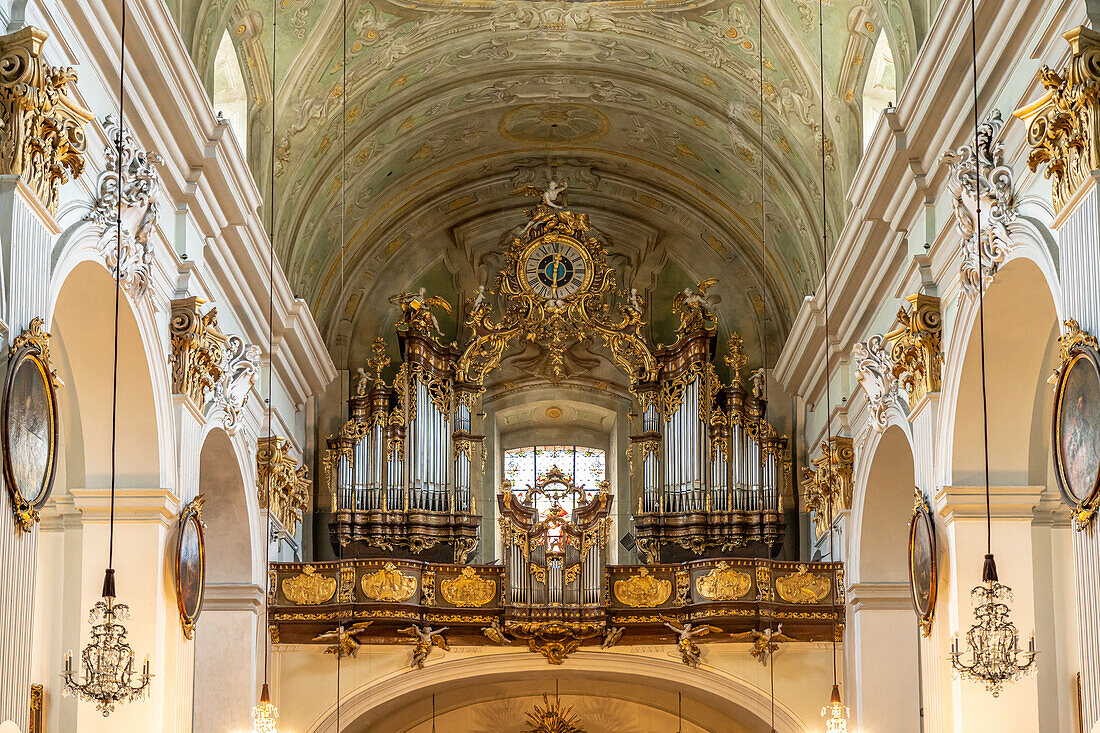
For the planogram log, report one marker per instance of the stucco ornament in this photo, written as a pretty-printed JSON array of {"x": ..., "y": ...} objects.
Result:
[
  {"x": 240, "y": 369},
  {"x": 981, "y": 168},
  {"x": 875, "y": 374},
  {"x": 136, "y": 194}
]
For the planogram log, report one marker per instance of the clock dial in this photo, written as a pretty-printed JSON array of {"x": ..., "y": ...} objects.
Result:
[{"x": 555, "y": 269}]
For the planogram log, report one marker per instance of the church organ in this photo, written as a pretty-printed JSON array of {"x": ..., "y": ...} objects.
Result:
[{"x": 707, "y": 470}]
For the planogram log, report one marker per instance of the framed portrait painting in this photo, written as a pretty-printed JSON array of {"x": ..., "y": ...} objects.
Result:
[
  {"x": 923, "y": 573},
  {"x": 190, "y": 565},
  {"x": 1075, "y": 437},
  {"x": 29, "y": 424}
]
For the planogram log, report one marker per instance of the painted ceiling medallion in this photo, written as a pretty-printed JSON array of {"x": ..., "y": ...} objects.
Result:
[
  {"x": 553, "y": 717},
  {"x": 552, "y": 123}
]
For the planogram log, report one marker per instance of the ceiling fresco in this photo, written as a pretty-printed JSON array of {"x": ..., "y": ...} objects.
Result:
[{"x": 648, "y": 108}]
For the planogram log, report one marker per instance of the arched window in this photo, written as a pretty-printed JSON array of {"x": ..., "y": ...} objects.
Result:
[
  {"x": 880, "y": 87},
  {"x": 230, "y": 96},
  {"x": 586, "y": 466}
]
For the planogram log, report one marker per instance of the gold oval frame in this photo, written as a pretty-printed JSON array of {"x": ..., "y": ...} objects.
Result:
[
  {"x": 31, "y": 347},
  {"x": 922, "y": 520},
  {"x": 1083, "y": 506},
  {"x": 192, "y": 513},
  {"x": 550, "y": 238}
]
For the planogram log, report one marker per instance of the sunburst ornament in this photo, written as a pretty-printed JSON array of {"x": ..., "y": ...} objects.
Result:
[{"x": 553, "y": 717}]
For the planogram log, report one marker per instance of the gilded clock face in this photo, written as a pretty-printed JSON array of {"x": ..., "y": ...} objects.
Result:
[{"x": 555, "y": 269}]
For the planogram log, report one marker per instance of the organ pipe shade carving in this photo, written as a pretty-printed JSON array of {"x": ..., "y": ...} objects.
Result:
[
  {"x": 43, "y": 141},
  {"x": 1062, "y": 123},
  {"x": 283, "y": 485},
  {"x": 828, "y": 485}
]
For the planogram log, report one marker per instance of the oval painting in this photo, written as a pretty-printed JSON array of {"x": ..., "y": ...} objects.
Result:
[
  {"x": 1078, "y": 428},
  {"x": 922, "y": 571},
  {"x": 191, "y": 568},
  {"x": 30, "y": 430}
]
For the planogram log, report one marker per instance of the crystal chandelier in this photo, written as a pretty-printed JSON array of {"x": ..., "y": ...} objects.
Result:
[
  {"x": 835, "y": 713},
  {"x": 265, "y": 713},
  {"x": 107, "y": 663},
  {"x": 993, "y": 655}
]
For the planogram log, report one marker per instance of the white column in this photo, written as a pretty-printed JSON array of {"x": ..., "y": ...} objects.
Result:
[
  {"x": 225, "y": 640},
  {"x": 26, "y": 237},
  {"x": 145, "y": 521},
  {"x": 882, "y": 687}
]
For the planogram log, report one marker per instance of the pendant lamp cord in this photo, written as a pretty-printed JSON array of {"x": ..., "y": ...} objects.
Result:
[
  {"x": 990, "y": 570},
  {"x": 763, "y": 211},
  {"x": 270, "y": 328},
  {"x": 771, "y": 674},
  {"x": 433, "y": 712},
  {"x": 680, "y": 710},
  {"x": 825, "y": 260},
  {"x": 108, "y": 579},
  {"x": 343, "y": 243}
]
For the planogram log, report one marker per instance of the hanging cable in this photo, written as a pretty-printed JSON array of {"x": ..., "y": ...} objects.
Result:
[
  {"x": 433, "y": 712},
  {"x": 680, "y": 710},
  {"x": 343, "y": 243},
  {"x": 771, "y": 674},
  {"x": 763, "y": 209}
]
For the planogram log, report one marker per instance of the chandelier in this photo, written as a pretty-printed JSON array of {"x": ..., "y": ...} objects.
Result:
[
  {"x": 993, "y": 656},
  {"x": 107, "y": 663},
  {"x": 835, "y": 713},
  {"x": 265, "y": 713}
]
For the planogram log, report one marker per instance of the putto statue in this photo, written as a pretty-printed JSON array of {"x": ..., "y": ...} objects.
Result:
[
  {"x": 417, "y": 309},
  {"x": 552, "y": 199},
  {"x": 694, "y": 306},
  {"x": 685, "y": 638},
  {"x": 424, "y": 639}
]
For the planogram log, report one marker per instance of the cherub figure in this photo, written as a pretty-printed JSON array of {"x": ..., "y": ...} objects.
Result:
[
  {"x": 685, "y": 638},
  {"x": 417, "y": 307},
  {"x": 361, "y": 384},
  {"x": 346, "y": 639},
  {"x": 479, "y": 299},
  {"x": 759, "y": 380},
  {"x": 553, "y": 192},
  {"x": 611, "y": 636},
  {"x": 635, "y": 300},
  {"x": 764, "y": 643},
  {"x": 495, "y": 633},
  {"x": 551, "y": 200},
  {"x": 424, "y": 638},
  {"x": 694, "y": 306}
]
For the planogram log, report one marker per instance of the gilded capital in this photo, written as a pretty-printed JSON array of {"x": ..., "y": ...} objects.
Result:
[
  {"x": 828, "y": 485},
  {"x": 283, "y": 486},
  {"x": 1064, "y": 124},
  {"x": 198, "y": 349},
  {"x": 916, "y": 346},
  {"x": 42, "y": 139}
]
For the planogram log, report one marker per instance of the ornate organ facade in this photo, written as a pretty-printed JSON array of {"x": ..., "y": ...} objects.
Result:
[{"x": 707, "y": 470}]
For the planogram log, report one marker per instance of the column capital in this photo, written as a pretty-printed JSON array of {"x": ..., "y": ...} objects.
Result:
[
  {"x": 964, "y": 503},
  {"x": 233, "y": 597},
  {"x": 879, "y": 597},
  {"x": 131, "y": 505}
]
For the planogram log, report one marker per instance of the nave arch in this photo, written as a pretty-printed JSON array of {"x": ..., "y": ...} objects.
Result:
[{"x": 491, "y": 692}]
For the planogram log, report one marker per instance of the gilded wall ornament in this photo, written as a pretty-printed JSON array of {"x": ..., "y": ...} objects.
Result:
[
  {"x": 723, "y": 583},
  {"x": 198, "y": 348},
  {"x": 981, "y": 173},
  {"x": 190, "y": 565},
  {"x": 308, "y": 588},
  {"x": 916, "y": 346},
  {"x": 923, "y": 568},
  {"x": 136, "y": 195},
  {"x": 282, "y": 484},
  {"x": 828, "y": 485},
  {"x": 1062, "y": 123},
  {"x": 468, "y": 589},
  {"x": 389, "y": 585},
  {"x": 553, "y": 717},
  {"x": 553, "y": 639},
  {"x": 643, "y": 590},
  {"x": 803, "y": 587},
  {"x": 43, "y": 141}
]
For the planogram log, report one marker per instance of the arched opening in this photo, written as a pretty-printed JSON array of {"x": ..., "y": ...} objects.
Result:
[
  {"x": 230, "y": 96},
  {"x": 883, "y": 635},
  {"x": 70, "y": 560},
  {"x": 880, "y": 86},
  {"x": 226, "y": 635}
]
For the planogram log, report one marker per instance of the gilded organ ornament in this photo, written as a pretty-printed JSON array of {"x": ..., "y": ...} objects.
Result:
[
  {"x": 43, "y": 141},
  {"x": 723, "y": 583},
  {"x": 643, "y": 590},
  {"x": 553, "y": 717},
  {"x": 468, "y": 589},
  {"x": 803, "y": 586},
  {"x": 282, "y": 484},
  {"x": 309, "y": 588},
  {"x": 389, "y": 585}
]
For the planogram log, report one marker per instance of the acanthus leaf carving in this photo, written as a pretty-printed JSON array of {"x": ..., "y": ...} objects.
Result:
[
  {"x": 977, "y": 175},
  {"x": 916, "y": 347},
  {"x": 283, "y": 486},
  {"x": 136, "y": 195},
  {"x": 828, "y": 485},
  {"x": 240, "y": 369},
  {"x": 43, "y": 140},
  {"x": 198, "y": 349},
  {"x": 875, "y": 374}
]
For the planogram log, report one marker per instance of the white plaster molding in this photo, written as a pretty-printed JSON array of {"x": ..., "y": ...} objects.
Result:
[
  {"x": 233, "y": 597},
  {"x": 240, "y": 369},
  {"x": 954, "y": 503},
  {"x": 978, "y": 177},
  {"x": 131, "y": 505},
  {"x": 875, "y": 373},
  {"x": 881, "y": 596},
  {"x": 131, "y": 199}
]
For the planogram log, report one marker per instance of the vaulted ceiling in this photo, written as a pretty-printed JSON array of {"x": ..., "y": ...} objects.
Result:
[{"x": 648, "y": 108}]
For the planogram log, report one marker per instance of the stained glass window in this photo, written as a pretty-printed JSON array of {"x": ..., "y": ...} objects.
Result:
[{"x": 586, "y": 466}]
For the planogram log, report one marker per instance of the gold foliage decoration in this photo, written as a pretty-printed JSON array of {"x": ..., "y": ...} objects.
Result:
[
  {"x": 723, "y": 583},
  {"x": 643, "y": 590},
  {"x": 198, "y": 349},
  {"x": 468, "y": 589},
  {"x": 389, "y": 585},
  {"x": 308, "y": 588},
  {"x": 915, "y": 346}
]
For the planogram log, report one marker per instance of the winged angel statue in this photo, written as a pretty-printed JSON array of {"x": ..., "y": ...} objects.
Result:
[
  {"x": 417, "y": 308},
  {"x": 686, "y": 633},
  {"x": 694, "y": 306},
  {"x": 424, "y": 638}
]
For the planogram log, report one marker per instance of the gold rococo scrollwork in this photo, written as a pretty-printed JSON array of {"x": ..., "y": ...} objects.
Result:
[
  {"x": 916, "y": 346},
  {"x": 198, "y": 349},
  {"x": 283, "y": 485},
  {"x": 389, "y": 585},
  {"x": 468, "y": 589},
  {"x": 723, "y": 583},
  {"x": 643, "y": 590},
  {"x": 308, "y": 588},
  {"x": 828, "y": 485},
  {"x": 803, "y": 587}
]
